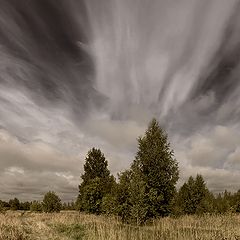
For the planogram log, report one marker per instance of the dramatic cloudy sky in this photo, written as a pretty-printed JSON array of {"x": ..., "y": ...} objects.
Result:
[{"x": 77, "y": 74}]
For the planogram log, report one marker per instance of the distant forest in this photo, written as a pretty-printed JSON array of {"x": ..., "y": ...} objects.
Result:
[{"x": 145, "y": 191}]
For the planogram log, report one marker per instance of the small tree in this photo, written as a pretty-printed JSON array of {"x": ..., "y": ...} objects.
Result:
[
  {"x": 204, "y": 199},
  {"x": 51, "y": 202},
  {"x": 186, "y": 199},
  {"x": 118, "y": 201},
  {"x": 123, "y": 193},
  {"x": 194, "y": 197},
  {"x": 97, "y": 182}
]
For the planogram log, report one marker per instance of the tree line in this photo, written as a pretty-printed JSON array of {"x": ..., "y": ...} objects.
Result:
[
  {"x": 148, "y": 189},
  {"x": 145, "y": 191},
  {"x": 51, "y": 203}
]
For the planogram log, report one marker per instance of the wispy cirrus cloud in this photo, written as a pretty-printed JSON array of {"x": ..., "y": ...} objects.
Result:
[{"x": 80, "y": 74}]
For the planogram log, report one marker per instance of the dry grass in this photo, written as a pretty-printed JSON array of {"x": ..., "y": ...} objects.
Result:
[{"x": 72, "y": 225}]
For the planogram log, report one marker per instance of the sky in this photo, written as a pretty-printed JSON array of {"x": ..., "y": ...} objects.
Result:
[{"x": 78, "y": 74}]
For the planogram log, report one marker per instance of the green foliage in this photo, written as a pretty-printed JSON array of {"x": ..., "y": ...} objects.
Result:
[
  {"x": 4, "y": 206},
  {"x": 147, "y": 190},
  {"x": 91, "y": 197},
  {"x": 109, "y": 203},
  {"x": 36, "y": 206},
  {"x": 14, "y": 204},
  {"x": 122, "y": 196},
  {"x": 118, "y": 201},
  {"x": 194, "y": 197},
  {"x": 236, "y": 201},
  {"x": 138, "y": 200},
  {"x": 51, "y": 202},
  {"x": 228, "y": 202},
  {"x": 149, "y": 186},
  {"x": 25, "y": 206},
  {"x": 186, "y": 199},
  {"x": 95, "y": 166},
  {"x": 97, "y": 182}
]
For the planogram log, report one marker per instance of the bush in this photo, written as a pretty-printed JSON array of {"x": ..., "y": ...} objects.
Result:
[
  {"x": 36, "y": 206},
  {"x": 14, "y": 204},
  {"x": 25, "y": 206}
]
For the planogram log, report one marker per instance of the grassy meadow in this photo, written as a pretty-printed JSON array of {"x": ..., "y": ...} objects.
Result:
[{"x": 72, "y": 225}]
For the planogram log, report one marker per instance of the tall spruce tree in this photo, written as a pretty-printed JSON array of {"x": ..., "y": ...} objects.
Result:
[
  {"x": 154, "y": 175},
  {"x": 97, "y": 182}
]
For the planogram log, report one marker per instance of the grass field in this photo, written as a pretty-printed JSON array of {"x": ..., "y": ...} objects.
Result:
[{"x": 72, "y": 225}]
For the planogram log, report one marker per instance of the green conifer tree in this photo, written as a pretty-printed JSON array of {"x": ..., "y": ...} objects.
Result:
[
  {"x": 154, "y": 174},
  {"x": 97, "y": 182}
]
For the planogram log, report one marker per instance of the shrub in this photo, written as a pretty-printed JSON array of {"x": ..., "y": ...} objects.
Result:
[{"x": 36, "y": 206}]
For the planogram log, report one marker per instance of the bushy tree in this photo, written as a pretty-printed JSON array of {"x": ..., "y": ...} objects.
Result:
[
  {"x": 14, "y": 204},
  {"x": 118, "y": 201},
  {"x": 2, "y": 207},
  {"x": 97, "y": 182},
  {"x": 152, "y": 176},
  {"x": 51, "y": 202},
  {"x": 25, "y": 206}
]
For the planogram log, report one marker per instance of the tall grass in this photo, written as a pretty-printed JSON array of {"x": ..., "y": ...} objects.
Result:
[{"x": 72, "y": 225}]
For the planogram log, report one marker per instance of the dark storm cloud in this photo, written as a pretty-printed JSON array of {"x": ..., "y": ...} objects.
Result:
[
  {"x": 221, "y": 76},
  {"x": 44, "y": 44}
]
